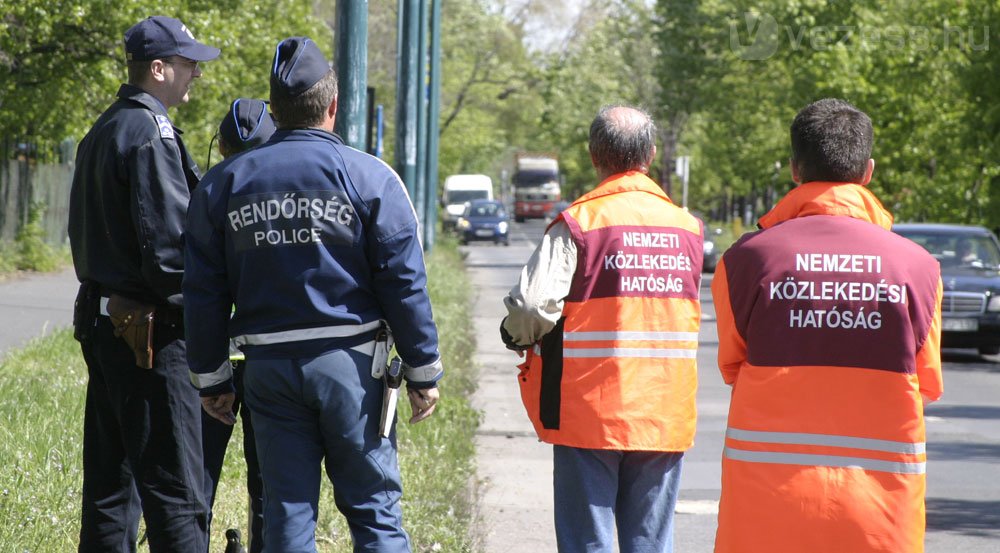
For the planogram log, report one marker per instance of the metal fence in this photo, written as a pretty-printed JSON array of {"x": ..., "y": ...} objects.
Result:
[{"x": 24, "y": 182}]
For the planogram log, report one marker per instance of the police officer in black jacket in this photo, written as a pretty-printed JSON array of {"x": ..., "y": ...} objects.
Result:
[{"x": 130, "y": 192}]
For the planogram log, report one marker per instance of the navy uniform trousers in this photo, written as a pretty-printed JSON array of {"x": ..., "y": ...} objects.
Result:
[
  {"x": 316, "y": 410},
  {"x": 141, "y": 447}
]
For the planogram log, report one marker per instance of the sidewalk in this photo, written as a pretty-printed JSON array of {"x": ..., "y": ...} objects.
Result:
[{"x": 34, "y": 305}]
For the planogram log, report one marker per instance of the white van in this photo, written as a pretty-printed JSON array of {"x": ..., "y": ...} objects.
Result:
[{"x": 459, "y": 189}]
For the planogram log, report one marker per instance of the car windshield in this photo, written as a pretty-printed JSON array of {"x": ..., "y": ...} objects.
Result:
[
  {"x": 462, "y": 196},
  {"x": 484, "y": 210},
  {"x": 959, "y": 250}
]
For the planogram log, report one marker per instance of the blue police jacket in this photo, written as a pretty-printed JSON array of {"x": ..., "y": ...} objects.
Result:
[{"x": 316, "y": 244}]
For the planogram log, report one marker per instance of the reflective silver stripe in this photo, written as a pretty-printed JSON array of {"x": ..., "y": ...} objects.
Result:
[
  {"x": 104, "y": 307},
  {"x": 629, "y": 335},
  {"x": 425, "y": 373},
  {"x": 218, "y": 376},
  {"x": 799, "y": 438},
  {"x": 338, "y": 331},
  {"x": 630, "y": 352},
  {"x": 838, "y": 461}
]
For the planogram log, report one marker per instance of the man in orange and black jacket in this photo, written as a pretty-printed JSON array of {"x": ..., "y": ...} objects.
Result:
[
  {"x": 829, "y": 333},
  {"x": 608, "y": 312}
]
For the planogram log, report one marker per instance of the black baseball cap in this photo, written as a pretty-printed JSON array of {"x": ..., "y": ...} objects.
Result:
[
  {"x": 159, "y": 37},
  {"x": 298, "y": 64},
  {"x": 248, "y": 124}
]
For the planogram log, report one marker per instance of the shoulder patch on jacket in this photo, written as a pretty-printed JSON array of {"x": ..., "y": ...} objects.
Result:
[{"x": 165, "y": 126}]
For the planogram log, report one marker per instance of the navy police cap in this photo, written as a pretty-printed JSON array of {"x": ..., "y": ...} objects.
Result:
[
  {"x": 248, "y": 124},
  {"x": 159, "y": 37},
  {"x": 298, "y": 64}
]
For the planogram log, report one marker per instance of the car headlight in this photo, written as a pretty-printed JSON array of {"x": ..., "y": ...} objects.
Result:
[
  {"x": 502, "y": 227},
  {"x": 462, "y": 223},
  {"x": 709, "y": 247},
  {"x": 994, "y": 304}
]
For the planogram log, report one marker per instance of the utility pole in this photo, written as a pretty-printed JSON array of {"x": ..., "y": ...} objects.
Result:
[
  {"x": 433, "y": 126},
  {"x": 352, "y": 72},
  {"x": 406, "y": 94},
  {"x": 420, "y": 200}
]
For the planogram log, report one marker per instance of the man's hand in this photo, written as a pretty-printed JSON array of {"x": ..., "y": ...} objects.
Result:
[
  {"x": 220, "y": 407},
  {"x": 422, "y": 402},
  {"x": 509, "y": 342}
]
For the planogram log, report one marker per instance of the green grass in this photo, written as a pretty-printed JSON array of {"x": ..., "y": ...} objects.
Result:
[{"x": 42, "y": 389}]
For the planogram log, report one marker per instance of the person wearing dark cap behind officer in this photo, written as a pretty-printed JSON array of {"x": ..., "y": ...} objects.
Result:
[
  {"x": 246, "y": 125},
  {"x": 316, "y": 244},
  {"x": 129, "y": 197}
]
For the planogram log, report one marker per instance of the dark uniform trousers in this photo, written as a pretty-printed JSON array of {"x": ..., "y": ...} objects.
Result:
[
  {"x": 215, "y": 437},
  {"x": 142, "y": 447}
]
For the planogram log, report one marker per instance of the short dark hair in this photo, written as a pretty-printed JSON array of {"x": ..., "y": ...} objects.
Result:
[
  {"x": 620, "y": 142},
  {"x": 305, "y": 109},
  {"x": 138, "y": 72},
  {"x": 831, "y": 141}
]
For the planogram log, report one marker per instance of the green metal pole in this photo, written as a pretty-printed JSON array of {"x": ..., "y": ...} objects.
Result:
[
  {"x": 352, "y": 72},
  {"x": 433, "y": 127},
  {"x": 406, "y": 94},
  {"x": 419, "y": 202}
]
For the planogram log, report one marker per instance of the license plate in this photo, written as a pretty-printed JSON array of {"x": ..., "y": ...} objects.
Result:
[
  {"x": 960, "y": 325},
  {"x": 484, "y": 232},
  {"x": 537, "y": 207}
]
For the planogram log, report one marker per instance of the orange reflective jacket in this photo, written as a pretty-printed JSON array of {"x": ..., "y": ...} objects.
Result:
[
  {"x": 618, "y": 371},
  {"x": 829, "y": 332}
]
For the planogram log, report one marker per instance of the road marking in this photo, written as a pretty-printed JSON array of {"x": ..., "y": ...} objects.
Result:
[
  {"x": 697, "y": 507},
  {"x": 933, "y": 419}
]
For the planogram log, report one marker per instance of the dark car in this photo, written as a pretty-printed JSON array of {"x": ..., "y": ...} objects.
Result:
[
  {"x": 970, "y": 270},
  {"x": 484, "y": 220}
]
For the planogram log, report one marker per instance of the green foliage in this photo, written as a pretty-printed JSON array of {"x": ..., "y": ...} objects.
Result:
[
  {"x": 69, "y": 54},
  {"x": 29, "y": 251},
  {"x": 924, "y": 72}
]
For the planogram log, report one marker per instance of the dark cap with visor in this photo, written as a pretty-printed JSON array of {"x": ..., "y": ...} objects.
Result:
[{"x": 160, "y": 37}]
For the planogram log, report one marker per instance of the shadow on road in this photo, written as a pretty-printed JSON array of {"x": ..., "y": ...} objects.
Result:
[
  {"x": 963, "y": 451},
  {"x": 969, "y": 360},
  {"x": 964, "y": 411},
  {"x": 974, "y": 518}
]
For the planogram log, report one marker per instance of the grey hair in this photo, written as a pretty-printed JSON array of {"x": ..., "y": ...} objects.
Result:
[{"x": 622, "y": 139}]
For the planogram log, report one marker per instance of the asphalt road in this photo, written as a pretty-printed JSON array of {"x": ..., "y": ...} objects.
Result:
[{"x": 963, "y": 497}]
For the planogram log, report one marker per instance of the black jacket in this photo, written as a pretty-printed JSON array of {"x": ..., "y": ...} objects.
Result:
[{"x": 129, "y": 199}]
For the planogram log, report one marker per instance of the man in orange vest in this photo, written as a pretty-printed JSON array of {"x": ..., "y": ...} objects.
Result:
[
  {"x": 829, "y": 333},
  {"x": 607, "y": 310}
]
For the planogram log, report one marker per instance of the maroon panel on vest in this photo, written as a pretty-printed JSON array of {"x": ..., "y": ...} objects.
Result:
[
  {"x": 636, "y": 261},
  {"x": 832, "y": 291}
]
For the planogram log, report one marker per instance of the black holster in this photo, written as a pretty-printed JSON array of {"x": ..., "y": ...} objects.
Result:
[{"x": 86, "y": 308}]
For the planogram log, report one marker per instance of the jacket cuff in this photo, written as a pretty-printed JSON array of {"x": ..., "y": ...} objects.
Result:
[{"x": 425, "y": 376}]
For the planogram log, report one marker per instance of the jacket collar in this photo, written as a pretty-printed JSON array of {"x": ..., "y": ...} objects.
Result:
[
  {"x": 625, "y": 182},
  {"x": 140, "y": 96},
  {"x": 306, "y": 134},
  {"x": 828, "y": 198}
]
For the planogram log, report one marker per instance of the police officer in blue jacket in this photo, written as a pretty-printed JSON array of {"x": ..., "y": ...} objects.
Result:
[
  {"x": 129, "y": 197},
  {"x": 247, "y": 124},
  {"x": 316, "y": 244}
]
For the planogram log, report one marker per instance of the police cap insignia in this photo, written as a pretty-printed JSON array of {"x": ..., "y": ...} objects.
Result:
[{"x": 298, "y": 65}]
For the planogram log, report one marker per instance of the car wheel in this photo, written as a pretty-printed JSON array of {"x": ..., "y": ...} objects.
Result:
[
  {"x": 519, "y": 219},
  {"x": 989, "y": 350}
]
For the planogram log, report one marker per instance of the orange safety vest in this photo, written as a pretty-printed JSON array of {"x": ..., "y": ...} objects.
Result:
[
  {"x": 618, "y": 371},
  {"x": 829, "y": 332}
]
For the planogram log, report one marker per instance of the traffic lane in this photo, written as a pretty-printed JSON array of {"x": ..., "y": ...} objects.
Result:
[{"x": 963, "y": 450}]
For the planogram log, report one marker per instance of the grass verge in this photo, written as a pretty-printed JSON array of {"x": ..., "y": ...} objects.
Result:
[{"x": 42, "y": 391}]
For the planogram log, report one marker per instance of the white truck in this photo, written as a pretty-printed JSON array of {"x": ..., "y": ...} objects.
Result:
[{"x": 459, "y": 189}]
